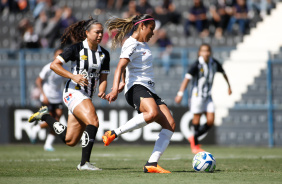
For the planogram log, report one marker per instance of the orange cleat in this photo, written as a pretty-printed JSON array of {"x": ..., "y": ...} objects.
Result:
[
  {"x": 197, "y": 149},
  {"x": 154, "y": 169},
  {"x": 108, "y": 137}
]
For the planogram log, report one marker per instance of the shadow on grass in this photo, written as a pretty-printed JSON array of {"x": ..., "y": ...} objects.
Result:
[{"x": 218, "y": 170}]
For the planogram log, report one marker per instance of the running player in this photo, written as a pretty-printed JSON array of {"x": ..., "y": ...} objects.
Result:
[
  {"x": 136, "y": 58},
  {"x": 49, "y": 84},
  {"x": 202, "y": 72},
  {"x": 90, "y": 68}
]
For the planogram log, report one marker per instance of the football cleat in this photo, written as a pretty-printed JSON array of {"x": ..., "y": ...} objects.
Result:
[
  {"x": 154, "y": 169},
  {"x": 87, "y": 167},
  {"x": 108, "y": 137},
  {"x": 49, "y": 148},
  {"x": 196, "y": 149},
  {"x": 38, "y": 115}
]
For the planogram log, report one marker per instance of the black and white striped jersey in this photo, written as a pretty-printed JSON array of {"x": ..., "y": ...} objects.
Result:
[
  {"x": 202, "y": 74},
  {"x": 84, "y": 59}
]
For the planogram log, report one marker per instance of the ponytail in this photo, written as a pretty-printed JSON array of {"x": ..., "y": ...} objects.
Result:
[
  {"x": 76, "y": 31},
  {"x": 124, "y": 26}
]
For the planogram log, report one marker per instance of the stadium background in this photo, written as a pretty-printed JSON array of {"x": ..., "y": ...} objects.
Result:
[{"x": 251, "y": 116}]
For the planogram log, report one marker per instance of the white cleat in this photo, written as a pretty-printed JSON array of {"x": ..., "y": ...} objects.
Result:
[{"x": 88, "y": 167}]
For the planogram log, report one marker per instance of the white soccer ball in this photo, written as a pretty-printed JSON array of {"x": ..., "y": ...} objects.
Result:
[{"x": 204, "y": 162}]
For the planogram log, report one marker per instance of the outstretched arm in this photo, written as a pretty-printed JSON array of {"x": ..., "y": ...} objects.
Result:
[
  {"x": 103, "y": 85},
  {"x": 229, "y": 87},
  {"x": 112, "y": 96},
  {"x": 180, "y": 92}
]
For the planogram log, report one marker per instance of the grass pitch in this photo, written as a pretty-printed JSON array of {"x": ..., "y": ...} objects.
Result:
[{"x": 123, "y": 164}]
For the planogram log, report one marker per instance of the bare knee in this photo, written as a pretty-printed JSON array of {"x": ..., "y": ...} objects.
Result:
[
  {"x": 152, "y": 116},
  {"x": 71, "y": 142}
]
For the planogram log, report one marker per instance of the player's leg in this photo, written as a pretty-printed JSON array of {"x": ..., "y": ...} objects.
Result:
[
  {"x": 166, "y": 120},
  {"x": 86, "y": 114}
]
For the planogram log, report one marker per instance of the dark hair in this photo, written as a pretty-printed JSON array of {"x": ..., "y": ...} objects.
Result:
[
  {"x": 124, "y": 26},
  {"x": 76, "y": 31},
  {"x": 205, "y": 45}
]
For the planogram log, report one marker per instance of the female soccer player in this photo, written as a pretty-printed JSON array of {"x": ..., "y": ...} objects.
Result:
[
  {"x": 49, "y": 84},
  {"x": 90, "y": 64},
  {"x": 202, "y": 72},
  {"x": 136, "y": 58}
]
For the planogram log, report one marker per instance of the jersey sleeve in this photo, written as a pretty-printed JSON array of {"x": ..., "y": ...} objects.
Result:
[
  {"x": 219, "y": 67},
  {"x": 68, "y": 54},
  {"x": 192, "y": 71},
  {"x": 44, "y": 72},
  {"x": 129, "y": 51},
  {"x": 105, "y": 68}
]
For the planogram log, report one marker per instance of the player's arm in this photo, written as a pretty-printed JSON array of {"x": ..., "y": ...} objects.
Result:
[
  {"x": 122, "y": 82},
  {"x": 227, "y": 81},
  {"x": 39, "y": 84},
  {"x": 57, "y": 67},
  {"x": 181, "y": 90},
  {"x": 103, "y": 85},
  {"x": 112, "y": 96}
]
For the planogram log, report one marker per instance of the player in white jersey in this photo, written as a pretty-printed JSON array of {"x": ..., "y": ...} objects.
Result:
[
  {"x": 202, "y": 72},
  {"x": 50, "y": 84},
  {"x": 136, "y": 58},
  {"x": 89, "y": 68}
]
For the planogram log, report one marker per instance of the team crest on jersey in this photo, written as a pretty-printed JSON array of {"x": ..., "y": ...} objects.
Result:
[{"x": 83, "y": 57}]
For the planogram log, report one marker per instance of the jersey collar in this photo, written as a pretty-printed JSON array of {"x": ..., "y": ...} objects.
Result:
[{"x": 85, "y": 45}]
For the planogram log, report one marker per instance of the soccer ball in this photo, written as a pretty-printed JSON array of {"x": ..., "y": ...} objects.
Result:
[{"x": 204, "y": 162}]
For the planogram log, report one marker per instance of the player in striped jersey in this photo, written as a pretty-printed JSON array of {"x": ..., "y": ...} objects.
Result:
[
  {"x": 136, "y": 58},
  {"x": 89, "y": 69},
  {"x": 202, "y": 72}
]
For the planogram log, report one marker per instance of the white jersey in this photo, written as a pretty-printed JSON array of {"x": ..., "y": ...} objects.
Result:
[
  {"x": 140, "y": 68},
  {"x": 52, "y": 85}
]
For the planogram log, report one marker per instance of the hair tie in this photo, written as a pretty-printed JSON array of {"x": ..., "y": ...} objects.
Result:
[{"x": 143, "y": 21}]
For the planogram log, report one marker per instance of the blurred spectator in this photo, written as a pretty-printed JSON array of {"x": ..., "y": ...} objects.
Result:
[
  {"x": 240, "y": 16},
  {"x": 47, "y": 25},
  {"x": 144, "y": 7},
  {"x": 131, "y": 10},
  {"x": 30, "y": 38},
  {"x": 23, "y": 5},
  {"x": 165, "y": 12},
  {"x": 67, "y": 18},
  {"x": 4, "y": 7},
  {"x": 165, "y": 46},
  {"x": 260, "y": 7},
  {"x": 197, "y": 17},
  {"x": 220, "y": 13}
]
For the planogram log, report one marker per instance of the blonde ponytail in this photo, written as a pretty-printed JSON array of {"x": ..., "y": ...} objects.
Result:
[{"x": 124, "y": 26}]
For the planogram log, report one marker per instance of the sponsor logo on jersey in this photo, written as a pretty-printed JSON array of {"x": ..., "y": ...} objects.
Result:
[
  {"x": 151, "y": 83},
  {"x": 83, "y": 57},
  {"x": 144, "y": 53},
  {"x": 132, "y": 51}
]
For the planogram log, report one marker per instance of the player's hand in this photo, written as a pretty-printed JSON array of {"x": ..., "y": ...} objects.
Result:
[
  {"x": 229, "y": 91},
  {"x": 112, "y": 96},
  {"x": 79, "y": 79},
  {"x": 45, "y": 100},
  {"x": 102, "y": 95},
  {"x": 178, "y": 99}
]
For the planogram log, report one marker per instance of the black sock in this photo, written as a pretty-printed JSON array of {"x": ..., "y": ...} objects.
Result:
[
  {"x": 58, "y": 127},
  {"x": 203, "y": 129},
  {"x": 196, "y": 129},
  {"x": 151, "y": 164},
  {"x": 87, "y": 138}
]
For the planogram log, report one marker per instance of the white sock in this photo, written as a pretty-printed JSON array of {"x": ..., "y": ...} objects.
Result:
[
  {"x": 160, "y": 145},
  {"x": 35, "y": 130},
  {"x": 49, "y": 141},
  {"x": 134, "y": 123}
]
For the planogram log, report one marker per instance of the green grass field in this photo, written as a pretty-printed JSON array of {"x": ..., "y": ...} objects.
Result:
[{"x": 123, "y": 164}]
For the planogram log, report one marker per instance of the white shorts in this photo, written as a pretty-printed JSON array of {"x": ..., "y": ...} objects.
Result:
[
  {"x": 201, "y": 105},
  {"x": 73, "y": 97}
]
